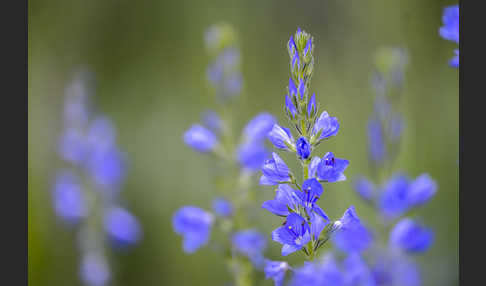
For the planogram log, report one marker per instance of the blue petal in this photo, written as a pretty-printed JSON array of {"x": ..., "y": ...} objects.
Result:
[
  {"x": 411, "y": 236},
  {"x": 288, "y": 249}
]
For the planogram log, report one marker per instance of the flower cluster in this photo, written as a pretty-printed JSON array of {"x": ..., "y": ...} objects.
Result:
[
  {"x": 243, "y": 245},
  {"x": 85, "y": 192},
  {"x": 306, "y": 226},
  {"x": 450, "y": 29},
  {"x": 392, "y": 199}
]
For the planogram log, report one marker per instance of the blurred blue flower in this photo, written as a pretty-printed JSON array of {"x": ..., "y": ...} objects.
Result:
[
  {"x": 331, "y": 169},
  {"x": 276, "y": 270},
  {"x": 212, "y": 121},
  {"x": 279, "y": 136},
  {"x": 450, "y": 21},
  {"x": 251, "y": 155},
  {"x": 68, "y": 199},
  {"x": 274, "y": 171},
  {"x": 294, "y": 234},
  {"x": 94, "y": 270},
  {"x": 365, "y": 188},
  {"x": 411, "y": 236},
  {"x": 222, "y": 207},
  {"x": 251, "y": 244},
  {"x": 350, "y": 235},
  {"x": 396, "y": 270},
  {"x": 107, "y": 168},
  {"x": 101, "y": 134},
  {"x": 395, "y": 127},
  {"x": 122, "y": 227},
  {"x": 194, "y": 225},
  {"x": 320, "y": 273},
  {"x": 357, "y": 272},
  {"x": 454, "y": 62},
  {"x": 73, "y": 147},
  {"x": 258, "y": 128},
  {"x": 303, "y": 148},
  {"x": 329, "y": 126},
  {"x": 200, "y": 138},
  {"x": 376, "y": 143},
  {"x": 421, "y": 190}
]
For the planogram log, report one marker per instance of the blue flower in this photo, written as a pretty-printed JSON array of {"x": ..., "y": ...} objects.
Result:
[
  {"x": 200, "y": 138},
  {"x": 251, "y": 155},
  {"x": 101, "y": 134},
  {"x": 294, "y": 234},
  {"x": 122, "y": 227},
  {"x": 68, "y": 199},
  {"x": 450, "y": 21},
  {"x": 107, "y": 168},
  {"x": 357, "y": 272},
  {"x": 376, "y": 143},
  {"x": 396, "y": 270},
  {"x": 365, "y": 188},
  {"x": 331, "y": 169},
  {"x": 411, "y": 236},
  {"x": 258, "y": 128},
  {"x": 194, "y": 224},
  {"x": 251, "y": 244},
  {"x": 454, "y": 62},
  {"x": 73, "y": 147},
  {"x": 289, "y": 106},
  {"x": 329, "y": 126},
  {"x": 222, "y": 207},
  {"x": 421, "y": 190},
  {"x": 314, "y": 164},
  {"x": 395, "y": 127},
  {"x": 285, "y": 198},
  {"x": 274, "y": 171},
  {"x": 292, "y": 88},
  {"x": 302, "y": 88},
  {"x": 276, "y": 270},
  {"x": 320, "y": 273},
  {"x": 94, "y": 270},
  {"x": 212, "y": 121},
  {"x": 351, "y": 235},
  {"x": 311, "y": 106},
  {"x": 303, "y": 148},
  {"x": 279, "y": 136},
  {"x": 394, "y": 200},
  {"x": 311, "y": 192}
]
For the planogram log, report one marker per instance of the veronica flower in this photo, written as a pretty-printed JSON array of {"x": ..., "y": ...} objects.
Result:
[
  {"x": 289, "y": 106},
  {"x": 450, "y": 28},
  {"x": 411, "y": 236},
  {"x": 200, "y": 138},
  {"x": 292, "y": 88},
  {"x": 327, "y": 125},
  {"x": 294, "y": 234},
  {"x": 394, "y": 200},
  {"x": 101, "y": 135},
  {"x": 251, "y": 244},
  {"x": 331, "y": 169},
  {"x": 302, "y": 88},
  {"x": 276, "y": 270},
  {"x": 222, "y": 207},
  {"x": 274, "y": 171},
  {"x": 351, "y": 236},
  {"x": 421, "y": 190},
  {"x": 194, "y": 224},
  {"x": 122, "y": 227},
  {"x": 319, "y": 273},
  {"x": 251, "y": 155},
  {"x": 69, "y": 202},
  {"x": 396, "y": 270},
  {"x": 303, "y": 148},
  {"x": 281, "y": 137},
  {"x": 311, "y": 192},
  {"x": 311, "y": 106},
  {"x": 107, "y": 168},
  {"x": 286, "y": 198},
  {"x": 365, "y": 188},
  {"x": 73, "y": 147},
  {"x": 94, "y": 269},
  {"x": 258, "y": 127},
  {"x": 314, "y": 164},
  {"x": 357, "y": 272}
]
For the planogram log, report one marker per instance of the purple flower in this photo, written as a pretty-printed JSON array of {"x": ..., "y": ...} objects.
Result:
[
  {"x": 200, "y": 138},
  {"x": 107, "y": 168},
  {"x": 251, "y": 155},
  {"x": 73, "y": 147},
  {"x": 285, "y": 198},
  {"x": 294, "y": 234},
  {"x": 357, "y": 272},
  {"x": 68, "y": 199},
  {"x": 314, "y": 164},
  {"x": 329, "y": 126},
  {"x": 94, "y": 269},
  {"x": 421, "y": 190},
  {"x": 311, "y": 106},
  {"x": 289, "y": 106},
  {"x": 394, "y": 200},
  {"x": 258, "y": 128},
  {"x": 251, "y": 244},
  {"x": 303, "y": 148},
  {"x": 365, "y": 188},
  {"x": 450, "y": 21},
  {"x": 411, "y": 236},
  {"x": 331, "y": 169},
  {"x": 222, "y": 207},
  {"x": 311, "y": 192},
  {"x": 351, "y": 235},
  {"x": 292, "y": 88},
  {"x": 276, "y": 270},
  {"x": 275, "y": 171},
  {"x": 122, "y": 227},
  {"x": 281, "y": 137},
  {"x": 194, "y": 224},
  {"x": 319, "y": 273}
]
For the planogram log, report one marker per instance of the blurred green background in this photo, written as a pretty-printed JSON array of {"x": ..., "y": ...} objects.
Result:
[{"x": 149, "y": 61}]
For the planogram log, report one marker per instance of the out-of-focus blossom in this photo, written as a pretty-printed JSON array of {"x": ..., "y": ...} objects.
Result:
[
  {"x": 222, "y": 207},
  {"x": 69, "y": 202},
  {"x": 351, "y": 235},
  {"x": 122, "y": 227},
  {"x": 276, "y": 270},
  {"x": 94, "y": 270},
  {"x": 251, "y": 244},
  {"x": 200, "y": 138},
  {"x": 194, "y": 225},
  {"x": 258, "y": 128},
  {"x": 411, "y": 236}
]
